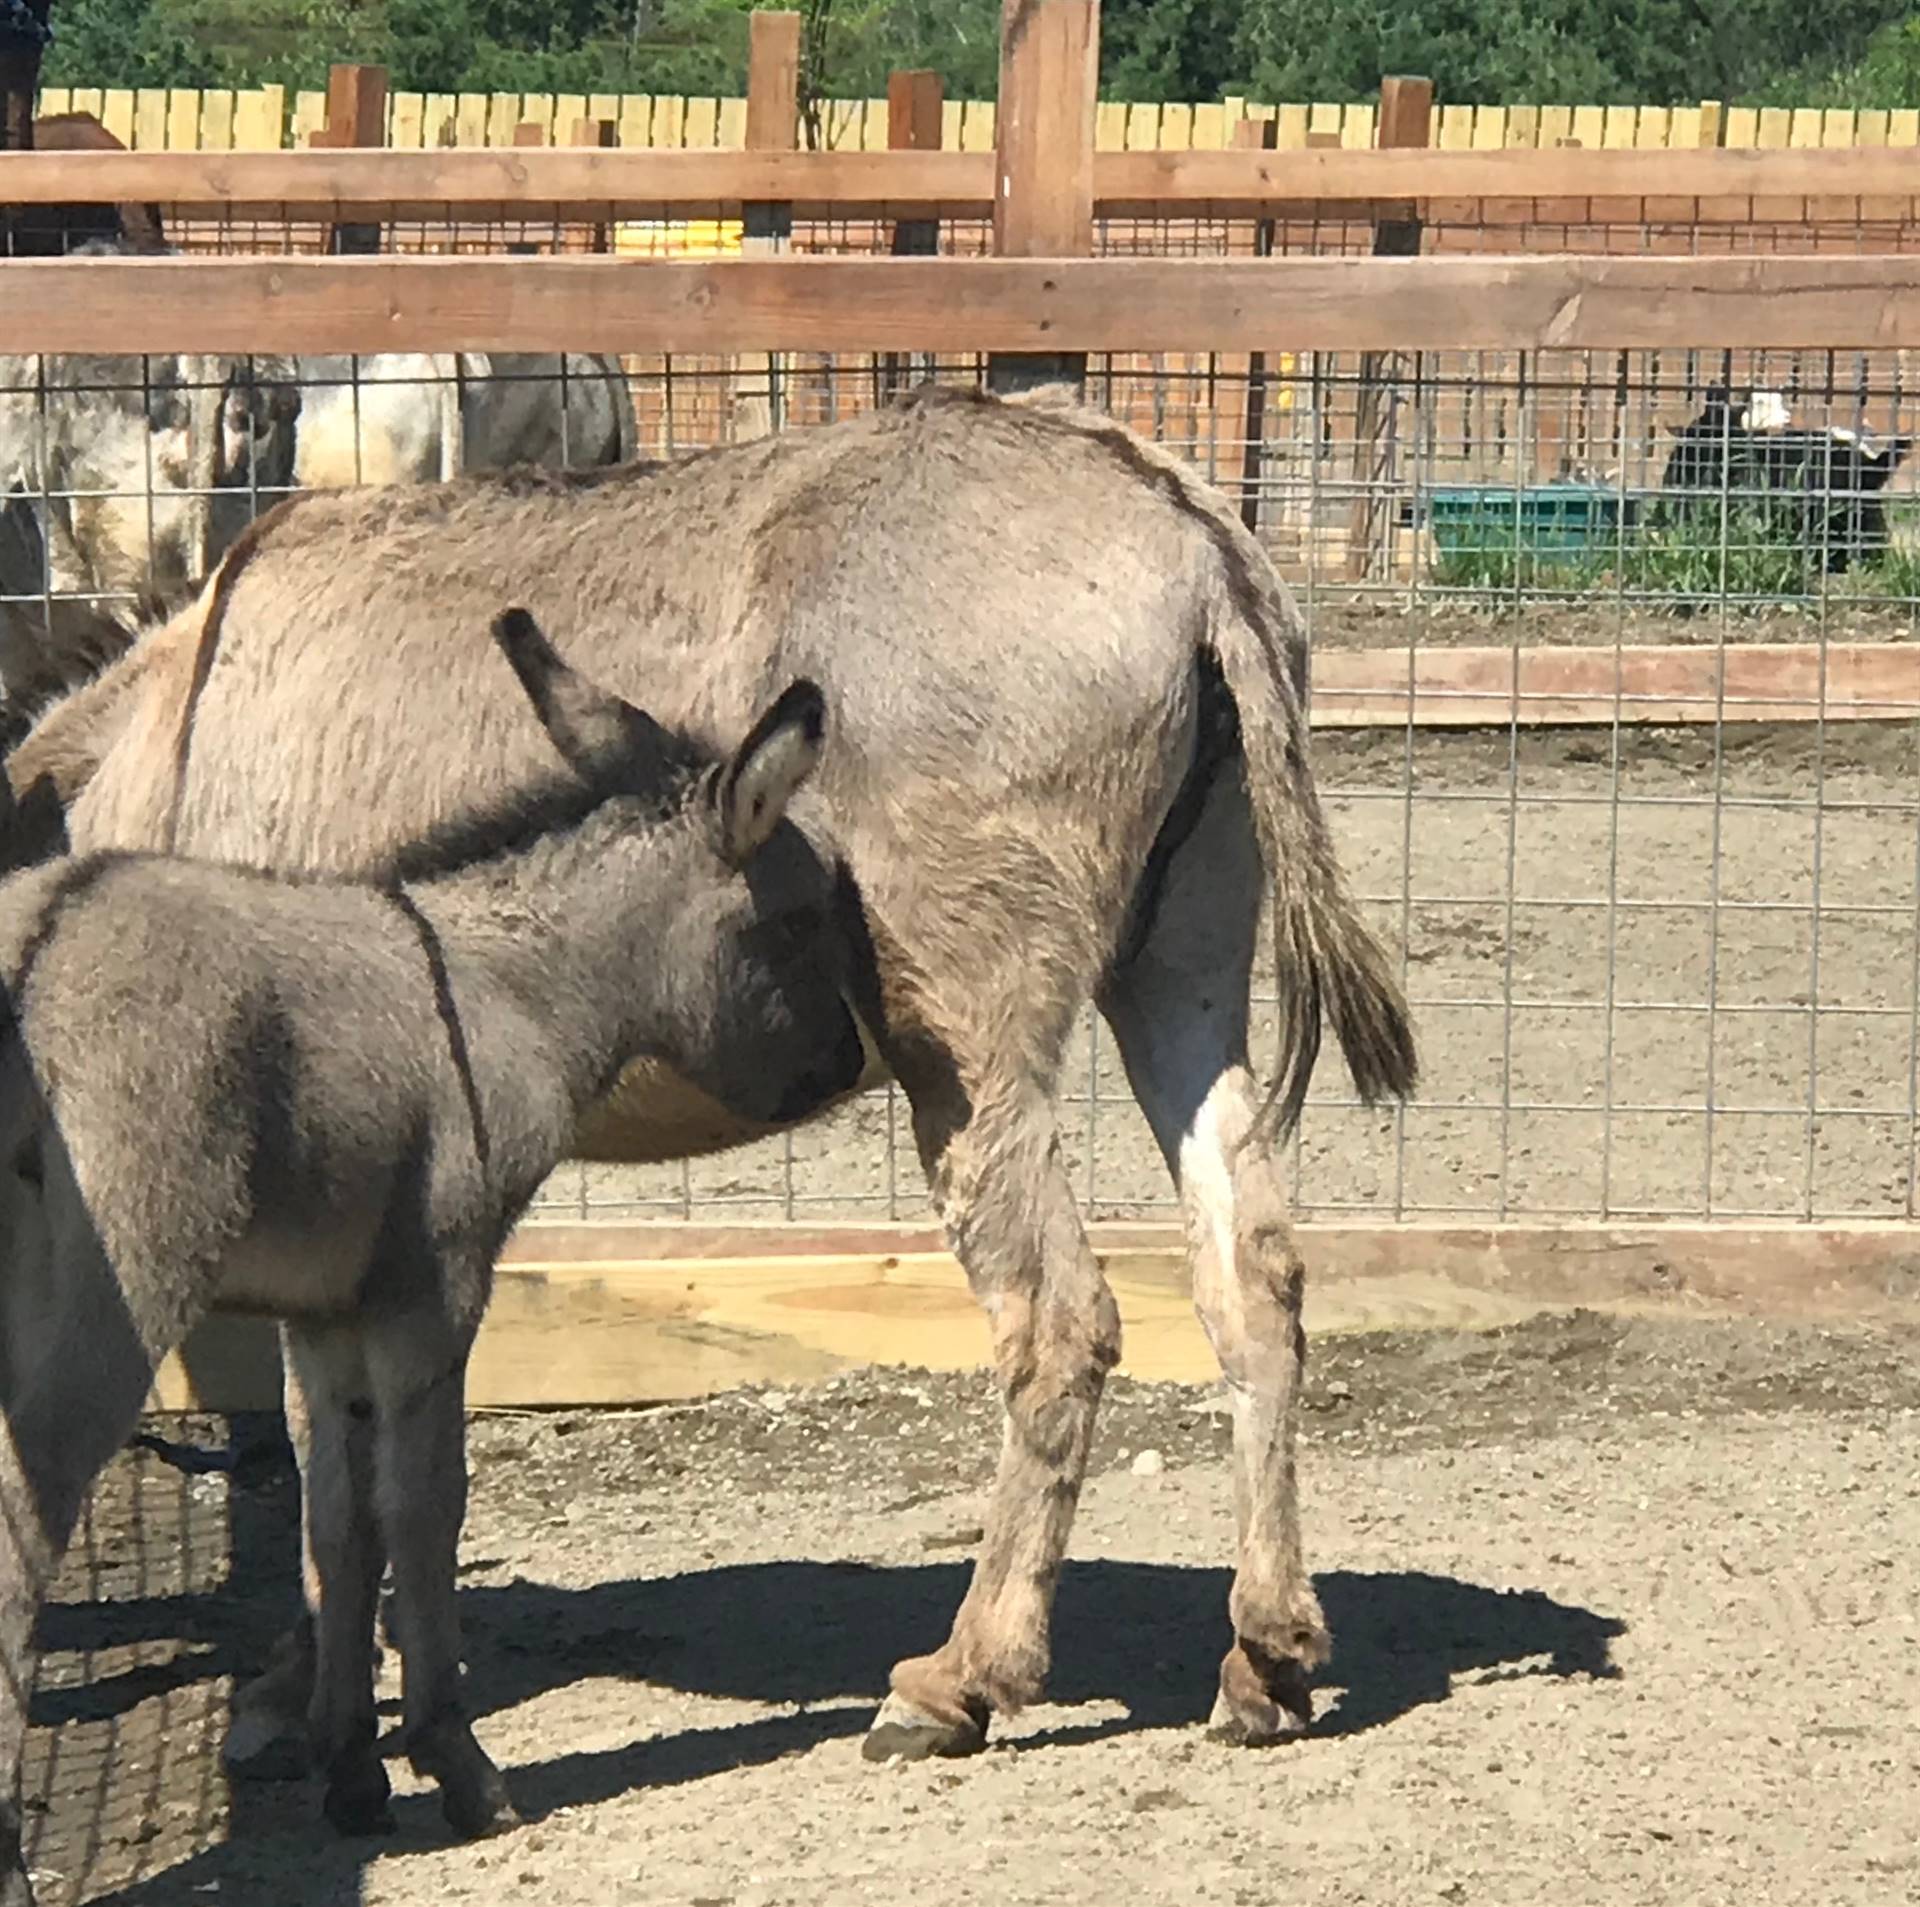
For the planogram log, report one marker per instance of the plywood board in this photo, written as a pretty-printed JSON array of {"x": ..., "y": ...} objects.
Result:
[{"x": 614, "y": 1315}]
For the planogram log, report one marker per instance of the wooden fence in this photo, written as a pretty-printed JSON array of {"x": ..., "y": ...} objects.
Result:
[
  {"x": 641, "y": 1296},
  {"x": 269, "y": 118}
]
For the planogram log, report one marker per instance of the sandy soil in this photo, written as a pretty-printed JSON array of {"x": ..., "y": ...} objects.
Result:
[
  {"x": 1624, "y": 1616},
  {"x": 1386, "y": 618},
  {"x": 1682, "y": 912}
]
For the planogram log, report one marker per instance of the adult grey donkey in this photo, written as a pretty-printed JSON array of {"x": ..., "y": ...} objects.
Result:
[
  {"x": 331, "y": 1102},
  {"x": 1070, "y": 761}
]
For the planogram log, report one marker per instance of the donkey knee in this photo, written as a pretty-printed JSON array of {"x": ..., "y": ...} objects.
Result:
[{"x": 1053, "y": 1358}]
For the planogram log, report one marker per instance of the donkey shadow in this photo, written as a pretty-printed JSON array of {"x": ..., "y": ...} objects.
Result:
[
  {"x": 1146, "y": 1635},
  {"x": 820, "y": 1636}
]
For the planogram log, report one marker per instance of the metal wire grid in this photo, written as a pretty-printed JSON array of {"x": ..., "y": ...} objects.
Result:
[
  {"x": 121, "y": 1774},
  {"x": 1624, "y": 228},
  {"x": 1341, "y": 471}
]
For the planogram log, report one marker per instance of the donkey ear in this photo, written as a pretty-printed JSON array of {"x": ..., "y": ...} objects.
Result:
[
  {"x": 767, "y": 770},
  {"x": 605, "y": 741}
]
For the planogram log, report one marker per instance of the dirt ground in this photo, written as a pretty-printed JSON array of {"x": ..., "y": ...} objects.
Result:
[
  {"x": 1389, "y": 618},
  {"x": 1709, "y": 943},
  {"x": 1624, "y": 1609}
]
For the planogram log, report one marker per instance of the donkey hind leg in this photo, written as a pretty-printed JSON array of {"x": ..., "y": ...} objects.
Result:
[
  {"x": 1003, "y": 1190},
  {"x": 342, "y": 1543},
  {"x": 71, "y": 1386},
  {"x": 1179, "y": 1010},
  {"x": 267, "y": 1738},
  {"x": 418, "y": 1362}
]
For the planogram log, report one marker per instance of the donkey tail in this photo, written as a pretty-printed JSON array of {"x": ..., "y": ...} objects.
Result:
[{"x": 1327, "y": 960}]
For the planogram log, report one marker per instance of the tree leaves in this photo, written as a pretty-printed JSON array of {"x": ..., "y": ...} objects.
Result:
[{"x": 1496, "y": 52}]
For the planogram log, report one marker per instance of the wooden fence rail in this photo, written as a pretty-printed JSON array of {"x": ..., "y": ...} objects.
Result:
[
  {"x": 1723, "y": 187},
  {"x": 723, "y": 306}
]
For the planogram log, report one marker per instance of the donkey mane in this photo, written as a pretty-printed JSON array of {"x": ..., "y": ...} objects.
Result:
[{"x": 556, "y": 808}]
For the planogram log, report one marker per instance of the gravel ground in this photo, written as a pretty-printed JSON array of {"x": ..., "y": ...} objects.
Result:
[{"x": 1624, "y": 1613}]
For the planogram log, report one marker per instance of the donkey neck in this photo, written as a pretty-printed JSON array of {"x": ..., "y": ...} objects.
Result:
[{"x": 567, "y": 928}]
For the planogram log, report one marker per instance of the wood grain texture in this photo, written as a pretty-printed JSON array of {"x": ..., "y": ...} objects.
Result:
[
  {"x": 916, "y": 110},
  {"x": 1546, "y": 686},
  {"x": 1710, "y": 185},
  {"x": 773, "y": 81},
  {"x": 879, "y": 304},
  {"x": 1044, "y": 128}
]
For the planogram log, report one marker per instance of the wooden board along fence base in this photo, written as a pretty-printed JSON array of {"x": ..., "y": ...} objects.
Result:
[
  {"x": 1547, "y": 685},
  {"x": 612, "y": 1315}
]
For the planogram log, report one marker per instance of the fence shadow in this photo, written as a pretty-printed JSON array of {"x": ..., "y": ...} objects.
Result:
[{"x": 822, "y": 1636}]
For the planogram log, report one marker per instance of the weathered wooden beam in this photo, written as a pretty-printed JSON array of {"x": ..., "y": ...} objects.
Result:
[
  {"x": 1710, "y": 186},
  {"x": 1252, "y": 135},
  {"x": 613, "y": 1315},
  {"x": 1714, "y": 185},
  {"x": 597, "y": 134},
  {"x": 1405, "y": 119},
  {"x": 916, "y": 120},
  {"x": 773, "y": 125},
  {"x": 773, "y": 81},
  {"x": 356, "y": 117},
  {"x": 1542, "y": 686},
  {"x": 992, "y": 305},
  {"x": 916, "y": 104},
  {"x": 1043, "y": 179}
]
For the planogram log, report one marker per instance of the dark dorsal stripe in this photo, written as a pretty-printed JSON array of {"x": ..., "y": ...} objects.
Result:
[{"x": 448, "y": 1009}]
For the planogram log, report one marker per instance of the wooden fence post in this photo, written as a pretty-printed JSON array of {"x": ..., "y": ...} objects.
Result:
[
  {"x": 773, "y": 120},
  {"x": 1406, "y": 112},
  {"x": 603, "y": 133},
  {"x": 356, "y": 116},
  {"x": 1257, "y": 135},
  {"x": 1043, "y": 181},
  {"x": 916, "y": 110},
  {"x": 773, "y": 81},
  {"x": 916, "y": 106}
]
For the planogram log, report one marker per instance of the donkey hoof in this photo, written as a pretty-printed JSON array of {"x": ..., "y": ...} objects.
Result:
[
  {"x": 904, "y": 1730},
  {"x": 263, "y": 1746},
  {"x": 475, "y": 1812},
  {"x": 356, "y": 1802},
  {"x": 1260, "y": 1702},
  {"x": 473, "y": 1792}
]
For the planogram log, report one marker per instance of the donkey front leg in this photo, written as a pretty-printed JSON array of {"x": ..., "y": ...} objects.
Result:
[
  {"x": 343, "y": 1547},
  {"x": 419, "y": 1367},
  {"x": 1004, "y": 1193}
]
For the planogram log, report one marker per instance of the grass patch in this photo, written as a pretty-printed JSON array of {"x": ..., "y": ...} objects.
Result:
[{"x": 1757, "y": 551}]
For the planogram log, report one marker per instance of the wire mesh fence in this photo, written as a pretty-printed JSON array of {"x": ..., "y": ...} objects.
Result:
[
  {"x": 1616, "y": 681},
  {"x": 1617, "y": 691}
]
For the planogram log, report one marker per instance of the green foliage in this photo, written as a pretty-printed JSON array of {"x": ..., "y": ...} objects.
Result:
[
  {"x": 126, "y": 43},
  {"x": 1176, "y": 49},
  {"x": 1886, "y": 74},
  {"x": 1602, "y": 51},
  {"x": 1862, "y": 53},
  {"x": 1760, "y": 552}
]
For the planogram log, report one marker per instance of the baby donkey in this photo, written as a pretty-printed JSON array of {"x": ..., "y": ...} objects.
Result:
[{"x": 331, "y": 1102}]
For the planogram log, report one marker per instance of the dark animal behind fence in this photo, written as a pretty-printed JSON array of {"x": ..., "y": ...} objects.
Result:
[{"x": 1820, "y": 488}]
